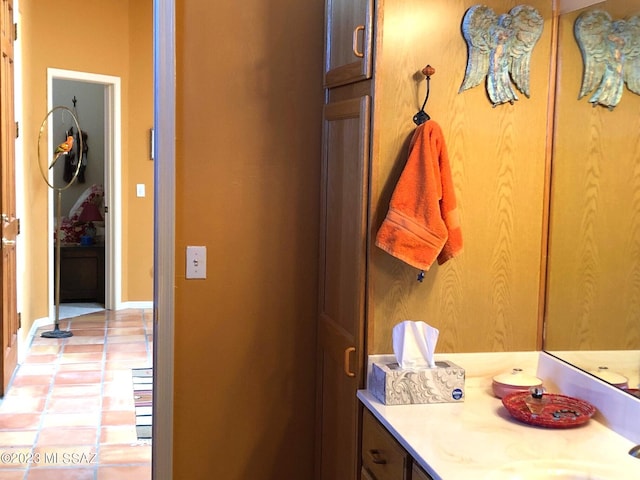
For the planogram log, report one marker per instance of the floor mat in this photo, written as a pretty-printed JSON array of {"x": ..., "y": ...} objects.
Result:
[{"x": 143, "y": 398}]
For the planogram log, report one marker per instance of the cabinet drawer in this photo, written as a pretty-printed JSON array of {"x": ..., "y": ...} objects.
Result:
[
  {"x": 382, "y": 456},
  {"x": 418, "y": 474}
]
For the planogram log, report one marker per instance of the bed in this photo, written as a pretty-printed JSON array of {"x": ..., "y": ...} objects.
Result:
[{"x": 72, "y": 227}]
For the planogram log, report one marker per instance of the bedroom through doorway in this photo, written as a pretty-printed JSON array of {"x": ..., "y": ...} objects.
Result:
[{"x": 90, "y": 220}]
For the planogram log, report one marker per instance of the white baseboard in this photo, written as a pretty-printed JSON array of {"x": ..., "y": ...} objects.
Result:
[
  {"x": 125, "y": 305},
  {"x": 23, "y": 345}
]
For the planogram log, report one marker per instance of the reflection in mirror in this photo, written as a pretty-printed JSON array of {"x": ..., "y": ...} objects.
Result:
[{"x": 592, "y": 314}]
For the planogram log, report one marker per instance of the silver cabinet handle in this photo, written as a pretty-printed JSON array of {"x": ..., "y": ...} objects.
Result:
[{"x": 7, "y": 243}]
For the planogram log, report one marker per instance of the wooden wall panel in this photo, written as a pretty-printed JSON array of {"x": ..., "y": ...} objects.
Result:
[
  {"x": 487, "y": 298},
  {"x": 594, "y": 257}
]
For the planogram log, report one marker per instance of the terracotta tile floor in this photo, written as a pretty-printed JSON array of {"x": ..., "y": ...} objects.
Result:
[{"x": 69, "y": 411}]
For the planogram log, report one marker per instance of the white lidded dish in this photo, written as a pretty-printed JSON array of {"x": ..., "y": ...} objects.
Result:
[
  {"x": 615, "y": 379},
  {"x": 516, "y": 381}
]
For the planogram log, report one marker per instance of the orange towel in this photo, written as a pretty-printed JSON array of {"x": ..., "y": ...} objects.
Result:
[{"x": 422, "y": 223}]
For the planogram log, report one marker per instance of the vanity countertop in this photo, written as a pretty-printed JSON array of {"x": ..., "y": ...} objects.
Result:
[{"x": 477, "y": 438}]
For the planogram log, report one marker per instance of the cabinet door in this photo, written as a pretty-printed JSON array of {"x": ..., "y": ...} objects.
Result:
[
  {"x": 343, "y": 237},
  {"x": 348, "y": 41}
]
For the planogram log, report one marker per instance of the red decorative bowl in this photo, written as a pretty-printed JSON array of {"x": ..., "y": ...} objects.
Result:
[{"x": 559, "y": 411}]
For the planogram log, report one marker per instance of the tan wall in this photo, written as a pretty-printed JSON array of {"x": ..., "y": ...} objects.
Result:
[
  {"x": 249, "y": 98},
  {"x": 137, "y": 284},
  {"x": 109, "y": 38}
]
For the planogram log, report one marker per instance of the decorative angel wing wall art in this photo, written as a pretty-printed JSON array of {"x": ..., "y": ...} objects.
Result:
[
  {"x": 611, "y": 56},
  {"x": 499, "y": 49}
]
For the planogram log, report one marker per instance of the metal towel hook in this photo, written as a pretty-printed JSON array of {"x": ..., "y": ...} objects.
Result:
[{"x": 422, "y": 116}]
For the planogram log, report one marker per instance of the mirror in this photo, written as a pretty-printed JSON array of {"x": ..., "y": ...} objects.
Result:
[{"x": 592, "y": 314}]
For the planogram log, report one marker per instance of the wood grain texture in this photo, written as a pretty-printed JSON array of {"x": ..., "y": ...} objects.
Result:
[
  {"x": 344, "y": 214},
  {"x": 487, "y": 298},
  {"x": 593, "y": 294},
  {"x": 349, "y": 30}
]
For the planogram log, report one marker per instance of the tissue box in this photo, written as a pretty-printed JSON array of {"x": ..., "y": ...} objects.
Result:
[{"x": 393, "y": 385}]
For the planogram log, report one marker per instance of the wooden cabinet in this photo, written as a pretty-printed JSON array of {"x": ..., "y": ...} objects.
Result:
[
  {"x": 348, "y": 41},
  {"x": 345, "y": 173},
  {"x": 365, "y": 475},
  {"x": 418, "y": 474},
  {"x": 343, "y": 237},
  {"x": 82, "y": 273},
  {"x": 382, "y": 456}
]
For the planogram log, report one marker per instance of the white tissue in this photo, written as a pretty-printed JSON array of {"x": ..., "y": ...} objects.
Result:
[{"x": 414, "y": 344}]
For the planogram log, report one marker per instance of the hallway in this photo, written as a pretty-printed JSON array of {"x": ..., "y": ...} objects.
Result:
[{"x": 69, "y": 412}]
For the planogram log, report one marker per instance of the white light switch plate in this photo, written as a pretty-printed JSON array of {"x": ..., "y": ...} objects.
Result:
[
  {"x": 196, "y": 262},
  {"x": 140, "y": 190}
]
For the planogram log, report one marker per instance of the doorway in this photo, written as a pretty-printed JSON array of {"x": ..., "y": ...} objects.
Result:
[
  {"x": 112, "y": 86},
  {"x": 109, "y": 151}
]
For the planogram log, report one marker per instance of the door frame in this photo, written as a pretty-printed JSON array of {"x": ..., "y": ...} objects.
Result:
[
  {"x": 112, "y": 176},
  {"x": 164, "y": 100}
]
